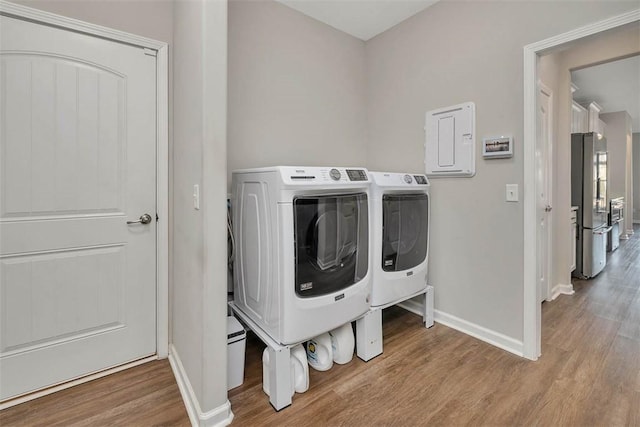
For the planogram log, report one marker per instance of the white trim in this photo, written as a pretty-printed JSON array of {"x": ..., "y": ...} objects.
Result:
[
  {"x": 162, "y": 142},
  {"x": 220, "y": 416},
  {"x": 48, "y": 18},
  {"x": 483, "y": 334},
  {"x": 68, "y": 384},
  {"x": 560, "y": 289},
  {"x": 532, "y": 316},
  {"x": 531, "y": 309}
]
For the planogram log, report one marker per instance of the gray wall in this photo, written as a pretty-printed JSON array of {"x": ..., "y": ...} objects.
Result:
[
  {"x": 199, "y": 157},
  {"x": 636, "y": 178},
  {"x": 188, "y": 239},
  {"x": 297, "y": 90},
  {"x": 451, "y": 53},
  {"x": 618, "y": 126}
]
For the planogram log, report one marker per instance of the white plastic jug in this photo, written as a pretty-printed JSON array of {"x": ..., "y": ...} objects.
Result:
[
  {"x": 320, "y": 353},
  {"x": 299, "y": 370},
  {"x": 342, "y": 344}
]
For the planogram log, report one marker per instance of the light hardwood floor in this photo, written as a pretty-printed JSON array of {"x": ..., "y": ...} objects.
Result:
[
  {"x": 146, "y": 395},
  {"x": 589, "y": 375}
]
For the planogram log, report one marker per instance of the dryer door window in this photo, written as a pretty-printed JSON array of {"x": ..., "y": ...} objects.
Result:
[
  {"x": 405, "y": 231},
  {"x": 331, "y": 242}
]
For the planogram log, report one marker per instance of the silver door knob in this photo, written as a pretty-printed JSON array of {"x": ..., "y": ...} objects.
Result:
[
  {"x": 548, "y": 208},
  {"x": 144, "y": 219}
]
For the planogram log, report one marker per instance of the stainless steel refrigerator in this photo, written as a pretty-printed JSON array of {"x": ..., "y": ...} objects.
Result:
[{"x": 589, "y": 192}]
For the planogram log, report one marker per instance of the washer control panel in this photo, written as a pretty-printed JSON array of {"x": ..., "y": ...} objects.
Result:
[
  {"x": 421, "y": 179},
  {"x": 357, "y": 174}
]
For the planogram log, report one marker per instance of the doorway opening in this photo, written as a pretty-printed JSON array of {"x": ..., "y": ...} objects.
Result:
[{"x": 534, "y": 210}]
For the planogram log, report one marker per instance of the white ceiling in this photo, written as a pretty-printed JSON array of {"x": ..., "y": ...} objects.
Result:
[
  {"x": 615, "y": 86},
  {"x": 363, "y": 19}
]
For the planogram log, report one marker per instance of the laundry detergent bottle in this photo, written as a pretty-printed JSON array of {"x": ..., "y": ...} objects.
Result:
[
  {"x": 342, "y": 344},
  {"x": 320, "y": 353},
  {"x": 300, "y": 369}
]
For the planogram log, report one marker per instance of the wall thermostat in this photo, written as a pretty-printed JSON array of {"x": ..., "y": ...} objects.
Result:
[{"x": 497, "y": 147}]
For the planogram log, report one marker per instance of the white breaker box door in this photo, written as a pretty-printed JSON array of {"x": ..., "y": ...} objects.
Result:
[{"x": 450, "y": 141}]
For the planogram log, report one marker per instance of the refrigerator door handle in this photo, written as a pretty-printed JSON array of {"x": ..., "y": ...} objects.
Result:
[{"x": 605, "y": 231}]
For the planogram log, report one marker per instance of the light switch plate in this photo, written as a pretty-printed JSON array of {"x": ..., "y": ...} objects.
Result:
[
  {"x": 196, "y": 197},
  {"x": 512, "y": 193}
]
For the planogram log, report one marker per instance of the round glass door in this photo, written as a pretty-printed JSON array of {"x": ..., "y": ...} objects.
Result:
[
  {"x": 405, "y": 231},
  {"x": 331, "y": 242}
]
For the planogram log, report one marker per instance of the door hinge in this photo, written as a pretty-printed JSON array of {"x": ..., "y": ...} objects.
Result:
[
  {"x": 157, "y": 217},
  {"x": 149, "y": 52}
]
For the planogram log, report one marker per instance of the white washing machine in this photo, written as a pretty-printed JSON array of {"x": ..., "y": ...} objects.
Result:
[
  {"x": 400, "y": 243},
  {"x": 302, "y": 260}
]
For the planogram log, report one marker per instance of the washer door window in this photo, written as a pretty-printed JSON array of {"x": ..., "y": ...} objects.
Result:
[
  {"x": 405, "y": 230},
  {"x": 331, "y": 241}
]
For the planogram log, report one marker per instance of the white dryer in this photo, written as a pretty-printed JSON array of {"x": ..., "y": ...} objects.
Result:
[
  {"x": 302, "y": 260},
  {"x": 400, "y": 243}
]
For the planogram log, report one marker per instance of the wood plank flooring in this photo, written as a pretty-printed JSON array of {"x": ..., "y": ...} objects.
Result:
[
  {"x": 146, "y": 395},
  {"x": 589, "y": 375}
]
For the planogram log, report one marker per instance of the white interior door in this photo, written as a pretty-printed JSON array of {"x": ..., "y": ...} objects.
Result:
[
  {"x": 78, "y": 159},
  {"x": 544, "y": 197}
]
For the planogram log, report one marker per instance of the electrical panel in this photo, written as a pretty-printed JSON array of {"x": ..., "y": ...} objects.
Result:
[{"x": 450, "y": 141}]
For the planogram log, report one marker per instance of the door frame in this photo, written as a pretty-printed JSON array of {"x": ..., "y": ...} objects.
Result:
[
  {"x": 162, "y": 142},
  {"x": 531, "y": 309}
]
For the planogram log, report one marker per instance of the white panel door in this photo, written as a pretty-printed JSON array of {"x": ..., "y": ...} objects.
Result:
[
  {"x": 78, "y": 156},
  {"x": 544, "y": 197}
]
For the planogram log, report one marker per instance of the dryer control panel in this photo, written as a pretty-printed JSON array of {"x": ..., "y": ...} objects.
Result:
[
  {"x": 394, "y": 179},
  {"x": 324, "y": 175}
]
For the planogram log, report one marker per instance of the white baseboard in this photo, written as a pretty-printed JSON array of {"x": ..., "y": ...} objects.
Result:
[
  {"x": 630, "y": 232},
  {"x": 483, "y": 334},
  {"x": 220, "y": 416},
  {"x": 561, "y": 289},
  {"x": 480, "y": 332},
  {"x": 413, "y": 306}
]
